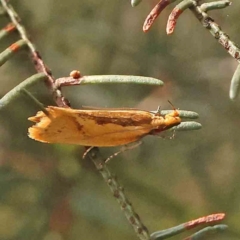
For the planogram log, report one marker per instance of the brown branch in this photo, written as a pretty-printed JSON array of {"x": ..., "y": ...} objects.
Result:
[
  {"x": 216, "y": 31},
  {"x": 118, "y": 193}
]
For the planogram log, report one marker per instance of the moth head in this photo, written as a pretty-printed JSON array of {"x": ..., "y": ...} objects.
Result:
[
  {"x": 172, "y": 119},
  {"x": 164, "y": 122}
]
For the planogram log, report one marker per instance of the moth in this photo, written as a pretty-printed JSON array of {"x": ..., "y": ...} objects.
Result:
[{"x": 98, "y": 127}]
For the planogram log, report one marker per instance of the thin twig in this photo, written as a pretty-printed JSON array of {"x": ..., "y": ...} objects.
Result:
[
  {"x": 119, "y": 195},
  {"x": 216, "y": 31},
  {"x": 38, "y": 62}
]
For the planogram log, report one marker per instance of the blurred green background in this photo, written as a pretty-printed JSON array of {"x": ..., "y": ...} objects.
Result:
[{"x": 48, "y": 192}]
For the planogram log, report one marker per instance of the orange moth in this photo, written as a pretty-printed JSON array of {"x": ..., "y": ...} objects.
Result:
[{"x": 98, "y": 127}]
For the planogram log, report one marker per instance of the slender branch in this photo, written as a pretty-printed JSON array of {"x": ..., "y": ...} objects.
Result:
[
  {"x": 216, "y": 31},
  {"x": 37, "y": 60},
  {"x": 119, "y": 195},
  {"x": 199, "y": 11}
]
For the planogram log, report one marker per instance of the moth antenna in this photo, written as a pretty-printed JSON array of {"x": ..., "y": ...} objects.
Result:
[
  {"x": 172, "y": 105},
  {"x": 38, "y": 103},
  {"x": 176, "y": 113},
  {"x": 124, "y": 149}
]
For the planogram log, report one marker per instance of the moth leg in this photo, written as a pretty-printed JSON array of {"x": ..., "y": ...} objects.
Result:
[
  {"x": 161, "y": 135},
  {"x": 172, "y": 136},
  {"x": 87, "y": 151},
  {"x": 124, "y": 148}
]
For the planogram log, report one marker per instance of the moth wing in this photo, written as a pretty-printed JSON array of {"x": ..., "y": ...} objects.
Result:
[
  {"x": 55, "y": 128},
  {"x": 113, "y": 135},
  {"x": 107, "y": 109},
  {"x": 78, "y": 127}
]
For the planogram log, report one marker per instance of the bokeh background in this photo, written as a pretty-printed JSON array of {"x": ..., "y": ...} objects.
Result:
[{"x": 48, "y": 192}]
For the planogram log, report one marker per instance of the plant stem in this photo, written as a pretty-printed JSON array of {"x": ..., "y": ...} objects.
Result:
[
  {"x": 216, "y": 31},
  {"x": 37, "y": 60},
  {"x": 119, "y": 195}
]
